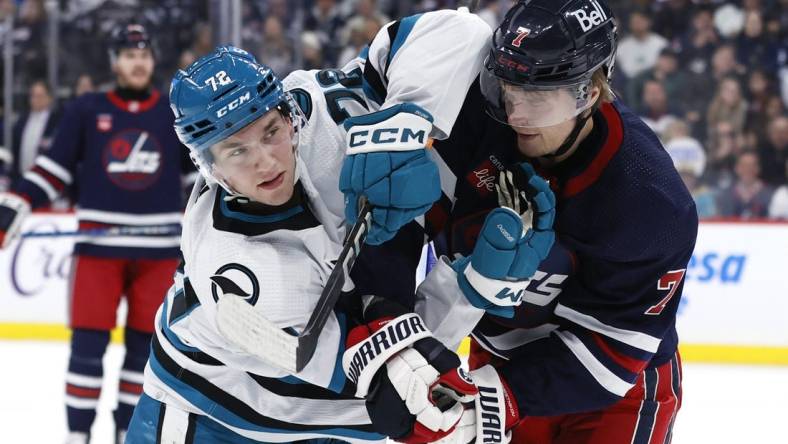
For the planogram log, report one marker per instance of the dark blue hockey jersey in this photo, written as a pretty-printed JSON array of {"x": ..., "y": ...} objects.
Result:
[
  {"x": 125, "y": 165},
  {"x": 602, "y": 306}
]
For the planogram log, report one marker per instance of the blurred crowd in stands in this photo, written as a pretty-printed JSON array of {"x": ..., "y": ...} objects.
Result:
[{"x": 710, "y": 77}]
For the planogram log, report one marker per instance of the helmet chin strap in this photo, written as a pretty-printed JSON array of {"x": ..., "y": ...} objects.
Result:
[{"x": 570, "y": 140}]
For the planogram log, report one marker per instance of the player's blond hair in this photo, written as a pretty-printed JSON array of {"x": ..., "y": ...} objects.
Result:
[{"x": 599, "y": 80}]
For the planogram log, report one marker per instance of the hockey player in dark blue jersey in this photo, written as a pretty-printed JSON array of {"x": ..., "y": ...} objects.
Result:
[
  {"x": 121, "y": 154},
  {"x": 586, "y": 350}
]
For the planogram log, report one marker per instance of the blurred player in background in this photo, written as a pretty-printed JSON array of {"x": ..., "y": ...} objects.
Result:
[
  {"x": 586, "y": 350},
  {"x": 119, "y": 152}
]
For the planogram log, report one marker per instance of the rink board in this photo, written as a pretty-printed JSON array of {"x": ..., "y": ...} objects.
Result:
[{"x": 734, "y": 307}]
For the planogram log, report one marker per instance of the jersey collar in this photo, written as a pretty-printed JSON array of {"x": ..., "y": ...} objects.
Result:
[
  {"x": 134, "y": 106},
  {"x": 584, "y": 167}
]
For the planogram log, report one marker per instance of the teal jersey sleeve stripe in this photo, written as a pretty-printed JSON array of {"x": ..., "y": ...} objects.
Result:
[{"x": 405, "y": 27}]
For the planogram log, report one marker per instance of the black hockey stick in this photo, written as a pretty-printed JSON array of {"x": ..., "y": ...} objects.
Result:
[{"x": 240, "y": 323}]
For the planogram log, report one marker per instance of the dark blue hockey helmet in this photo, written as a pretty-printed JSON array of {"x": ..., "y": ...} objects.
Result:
[
  {"x": 220, "y": 94},
  {"x": 129, "y": 35},
  {"x": 544, "y": 48}
]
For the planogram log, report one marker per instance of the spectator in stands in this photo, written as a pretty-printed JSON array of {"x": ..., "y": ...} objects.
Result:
[
  {"x": 690, "y": 161},
  {"x": 34, "y": 129},
  {"x": 677, "y": 82},
  {"x": 361, "y": 33},
  {"x": 729, "y": 21},
  {"x": 84, "y": 85},
  {"x": 724, "y": 64},
  {"x": 203, "y": 39},
  {"x": 773, "y": 152},
  {"x": 727, "y": 105},
  {"x": 638, "y": 51},
  {"x": 748, "y": 197},
  {"x": 724, "y": 145},
  {"x": 778, "y": 207},
  {"x": 491, "y": 12},
  {"x": 278, "y": 9},
  {"x": 29, "y": 39},
  {"x": 656, "y": 111},
  {"x": 186, "y": 58},
  {"x": 753, "y": 46},
  {"x": 312, "y": 53},
  {"x": 752, "y": 5},
  {"x": 760, "y": 90},
  {"x": 324, "y": 21},
  {"x": 364, "y": 11},
  {"x": 698, "y": 43},
  {"x": 671, "y": 19},
  {"x": 275, "y": 48}
]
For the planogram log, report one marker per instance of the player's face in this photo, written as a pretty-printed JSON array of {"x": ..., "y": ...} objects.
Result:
[
  {"x": 537, "y": 142},
  {"x": 540, "y": 141},
  {"x": 258, "y": 161},
  {"x": 134, "y": 68}
]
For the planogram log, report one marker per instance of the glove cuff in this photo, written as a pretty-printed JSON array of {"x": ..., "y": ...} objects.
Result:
[
  {"x": 363, "y": 359},
  {"x": 498, "y": 292},
  {"x": 495, "y": 400},
  {"x": 404, "y": 127}
]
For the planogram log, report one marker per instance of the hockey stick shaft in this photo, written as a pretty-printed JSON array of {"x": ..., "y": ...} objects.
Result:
[
  {"x": 307, "y": 341},
  {"x": 140, "y": 230},
  {"x": 249, "y": 329}
]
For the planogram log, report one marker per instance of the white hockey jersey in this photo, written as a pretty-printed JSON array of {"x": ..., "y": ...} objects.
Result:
[{"x": 281, "y": 261}]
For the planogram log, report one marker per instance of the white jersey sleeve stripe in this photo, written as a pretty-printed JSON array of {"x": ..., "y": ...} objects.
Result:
[
  {"x": 131, "y": 376},
  {"x": 112, "y": 217},
  {"x": 81, "y": 403},
  {"x": 83, "y": 381},
  {"x": 404, "y": 28},
  {"x": 634, "y": 338},
  {"x": 602, "y": 374},
  {"x": 54, "y": 168},
  {"x": 42, "y": 183}
]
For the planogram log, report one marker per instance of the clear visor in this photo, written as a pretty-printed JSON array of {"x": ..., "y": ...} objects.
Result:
[
  {"x": 206, "y": 162},
  {"x": 528, "y": 106}
]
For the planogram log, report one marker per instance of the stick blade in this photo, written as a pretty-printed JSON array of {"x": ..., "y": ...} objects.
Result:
[{"x": 244, "y": 326}]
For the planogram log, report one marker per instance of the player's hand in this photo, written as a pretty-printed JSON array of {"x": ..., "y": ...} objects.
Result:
[
  {"x": 419, "y": 396},
  {"x": 414, "y": 387},
  {"x": 491, "y": 416},
  {"x": 13, "y": 210},
  {"x": 514, "y": 239},
  {"x": 522, "y": 190},
  {"x": 387, "y": 162}
]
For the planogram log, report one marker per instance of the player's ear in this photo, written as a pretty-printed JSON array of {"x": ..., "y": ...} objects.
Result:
[{"x": 595, "y": 94}]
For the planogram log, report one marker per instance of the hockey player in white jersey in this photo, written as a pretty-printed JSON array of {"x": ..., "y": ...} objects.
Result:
[{"x": 265, "y": 226}]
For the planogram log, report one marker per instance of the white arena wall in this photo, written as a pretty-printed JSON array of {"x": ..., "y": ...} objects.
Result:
[{"x": 734, "y": 307}]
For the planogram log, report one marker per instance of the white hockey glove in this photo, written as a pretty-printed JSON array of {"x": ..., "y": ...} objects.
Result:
[
  {"x": 13, "y": 210},
  {"x": 414, "y": 386},
  {"x": 492, "y": 415}
]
